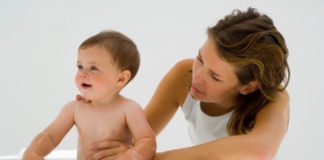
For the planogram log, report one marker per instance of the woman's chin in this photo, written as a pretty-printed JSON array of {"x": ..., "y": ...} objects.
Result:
[{"x": 196, "y": 95}]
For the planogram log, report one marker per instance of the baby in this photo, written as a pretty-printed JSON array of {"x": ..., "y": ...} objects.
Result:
[{"x": 106, "y": 63}]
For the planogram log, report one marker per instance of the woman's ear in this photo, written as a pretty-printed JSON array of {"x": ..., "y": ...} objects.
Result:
[
  {"x": 249, "y": 88},
  {"x": 123, "y": 78}
]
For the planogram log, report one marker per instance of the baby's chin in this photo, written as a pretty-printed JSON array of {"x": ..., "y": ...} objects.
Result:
[{"x": 85, "y": 97}]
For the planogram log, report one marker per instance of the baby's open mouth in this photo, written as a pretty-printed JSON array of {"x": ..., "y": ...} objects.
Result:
[{"x": 85, "y": 85}]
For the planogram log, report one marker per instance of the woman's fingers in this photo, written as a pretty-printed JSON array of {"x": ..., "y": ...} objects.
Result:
[
  {"x": 104, "y": 154},
  {"x": 105, "y": 144},
  {"x": 108, "y": 149},
  {"x": 80, "y": 98},
  {"x": 110, "y": 158},
  {"x": 108, "y": 153}
]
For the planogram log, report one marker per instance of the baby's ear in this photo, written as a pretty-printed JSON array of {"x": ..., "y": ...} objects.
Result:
[
  {"x": 123, "y": 78},
  {"x": 249, "y": 88}
]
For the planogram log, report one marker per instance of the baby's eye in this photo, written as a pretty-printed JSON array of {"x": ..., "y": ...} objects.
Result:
[
  {"x": 80, "y": 67},
  {"x": 93, "y": 68}
]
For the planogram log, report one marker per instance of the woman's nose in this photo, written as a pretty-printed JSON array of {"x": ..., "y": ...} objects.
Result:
[{"x": 198, "y": 77}]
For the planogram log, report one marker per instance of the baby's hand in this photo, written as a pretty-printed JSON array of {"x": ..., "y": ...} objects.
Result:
[
  {"x": 32, "y": 156},
  {"x": 80, "y": 98}
]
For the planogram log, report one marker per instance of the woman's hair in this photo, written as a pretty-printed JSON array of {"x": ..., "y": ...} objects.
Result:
[
  {"x": 122, "y": 49},
  {"x": 250, "y": 42}
]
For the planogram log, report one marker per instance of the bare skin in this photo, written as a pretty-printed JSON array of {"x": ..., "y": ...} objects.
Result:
[
  {"x": 107, "y": 116},
  {"x": 262, "y": 142}
]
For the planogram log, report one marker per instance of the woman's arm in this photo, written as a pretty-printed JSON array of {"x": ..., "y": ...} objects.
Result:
[
  {"x": 48, "y": 139},
  {"x": 261, "y": 143},
  {"x": 169, "y": 95}
]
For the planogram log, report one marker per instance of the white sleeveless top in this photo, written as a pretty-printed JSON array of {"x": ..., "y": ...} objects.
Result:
[{"x": 203, "y": 128}]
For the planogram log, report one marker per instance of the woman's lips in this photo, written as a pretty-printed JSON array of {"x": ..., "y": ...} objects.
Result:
[{"x": 196, "y": 90}]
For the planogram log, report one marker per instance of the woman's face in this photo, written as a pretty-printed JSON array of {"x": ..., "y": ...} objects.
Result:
[{"x": 213, "y": 79}]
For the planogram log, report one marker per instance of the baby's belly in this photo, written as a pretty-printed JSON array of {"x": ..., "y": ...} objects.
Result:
[{"x": 88, "y": 137}]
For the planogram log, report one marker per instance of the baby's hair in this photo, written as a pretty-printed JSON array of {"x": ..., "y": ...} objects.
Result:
[{"x": 122, "y": 49}]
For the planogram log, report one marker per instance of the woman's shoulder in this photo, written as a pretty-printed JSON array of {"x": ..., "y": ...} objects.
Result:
[
  {"x": 281, "y": 100},
  {"x": 284, "y": 95},
  {"x": 180, "y": 80},
  {"x": 185, "y": 64},
  {"x": 182, "y": 70}
]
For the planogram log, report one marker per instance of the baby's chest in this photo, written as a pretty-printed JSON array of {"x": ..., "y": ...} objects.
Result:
[{"x": 99, "y": 125}]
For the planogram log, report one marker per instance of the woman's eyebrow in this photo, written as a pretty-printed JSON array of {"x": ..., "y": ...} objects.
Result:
[{"x": 210, "y": 70}]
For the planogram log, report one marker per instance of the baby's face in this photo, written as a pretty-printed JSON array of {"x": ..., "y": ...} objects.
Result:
[{"x": 97, "y": 73}]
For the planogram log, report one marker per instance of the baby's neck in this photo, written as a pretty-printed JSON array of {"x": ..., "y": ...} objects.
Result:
[{"x": 107, "y": 101}]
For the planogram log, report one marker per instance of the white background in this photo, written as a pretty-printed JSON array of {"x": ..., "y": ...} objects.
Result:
[{"x": 39, "y": 41}]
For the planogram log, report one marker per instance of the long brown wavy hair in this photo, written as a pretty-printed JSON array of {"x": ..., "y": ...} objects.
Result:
[{"x": 250, "y": 41}]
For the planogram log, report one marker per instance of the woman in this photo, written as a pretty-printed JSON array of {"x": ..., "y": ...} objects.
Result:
[{"x": 233, "y": 94}]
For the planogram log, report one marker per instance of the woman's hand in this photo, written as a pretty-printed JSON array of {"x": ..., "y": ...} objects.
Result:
[
  {"x": 160, "y": 156},
  {"x": 80, "y": 98},
  {"x": 130, "y": 154},
  {"x": 108, "y": 149}
]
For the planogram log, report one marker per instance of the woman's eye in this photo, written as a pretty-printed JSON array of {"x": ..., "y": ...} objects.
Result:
[
  {"x": 80, "y": 67},
  {"x": 93, "y": 68},
  {"x": 214, "y": 78},
  {"x": 199, "y": 59}
]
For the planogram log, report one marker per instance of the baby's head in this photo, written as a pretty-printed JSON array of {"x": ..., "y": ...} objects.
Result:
[
  {"x": 106, "y": 62},
  {"x": 122, "y": 49}
]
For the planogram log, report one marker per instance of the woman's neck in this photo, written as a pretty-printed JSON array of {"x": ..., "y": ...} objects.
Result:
[{"x": 213, "y": 109}]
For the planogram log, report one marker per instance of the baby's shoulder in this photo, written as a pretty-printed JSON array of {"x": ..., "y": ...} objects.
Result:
[
  {"x": 69, "y": 107},
  {"x": 131, "y": 104},
  {"x": 74, "y": 104}
]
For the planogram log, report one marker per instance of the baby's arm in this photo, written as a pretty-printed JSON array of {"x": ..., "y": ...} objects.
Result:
[
  {"x": 143, "y": 136},
  {"x": 40, "y": 146},
  {"x": 48, "y": 139}
]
